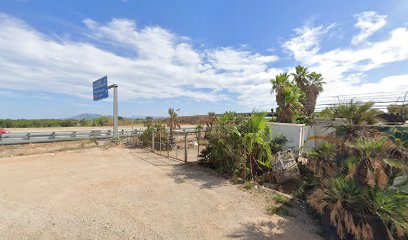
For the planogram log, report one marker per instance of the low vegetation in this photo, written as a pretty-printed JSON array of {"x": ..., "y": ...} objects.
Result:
[
  {"x": 40, "y": 123},
  {"x": 357, "y": 179},
  {"x": 360, "y": 172}
]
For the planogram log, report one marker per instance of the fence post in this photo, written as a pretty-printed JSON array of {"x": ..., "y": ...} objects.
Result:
[
  {"x": 185, "y": 147},
  {"x": 198, "y": 144},
  {"x": 1, "y": 137},
  {"x": 28, "y": 136},
  {"x": 153, "y": 141},
  {"x": 160, "y": 142},
  {"x": 168, "y": 146}
]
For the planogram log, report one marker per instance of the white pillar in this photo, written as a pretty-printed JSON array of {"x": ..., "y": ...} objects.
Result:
[{"x": 115, "y": 109}]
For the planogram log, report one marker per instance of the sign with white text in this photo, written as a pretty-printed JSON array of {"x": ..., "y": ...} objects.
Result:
[{"x": 100, "y": 89}]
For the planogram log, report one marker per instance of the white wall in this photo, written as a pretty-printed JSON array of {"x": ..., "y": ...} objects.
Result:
[
  {"x": 293, "y": 132},
  {"x": 300, "y": 135}
]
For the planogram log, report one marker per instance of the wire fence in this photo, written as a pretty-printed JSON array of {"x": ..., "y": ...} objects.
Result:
[
  {"x": 381, "y": 99},
  {"x": 184, "y": 144}
]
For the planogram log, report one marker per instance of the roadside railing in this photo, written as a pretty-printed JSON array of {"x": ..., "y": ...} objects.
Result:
[{"x": 44, "y": 137}]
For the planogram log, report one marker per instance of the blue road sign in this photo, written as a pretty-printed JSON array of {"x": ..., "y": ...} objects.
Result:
[{"x": 100, "y": 89}]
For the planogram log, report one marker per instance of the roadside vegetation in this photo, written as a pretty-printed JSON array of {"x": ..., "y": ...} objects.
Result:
[
  {"x": 357, "y": 179},
  {"x": 40, "y": 123}
]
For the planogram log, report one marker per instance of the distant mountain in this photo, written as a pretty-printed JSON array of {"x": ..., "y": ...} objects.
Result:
[{"x": 86, "y": 116}]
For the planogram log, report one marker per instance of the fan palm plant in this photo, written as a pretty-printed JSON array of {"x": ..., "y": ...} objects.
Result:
[
  {"x": 357, "y": 117},
  {"x": 301, "y": 77},
  {"x": 287, "y": 97},
  {"x": 353, "y": 209},
  {"x": 322, "y": 159},
  {"x": 311, "y": 85},
  {"x": 314, "y": 88},
  {"x": 391, "y": 206}
]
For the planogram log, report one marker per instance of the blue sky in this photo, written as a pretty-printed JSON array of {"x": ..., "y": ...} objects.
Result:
[{"x": 199, "y": 56}]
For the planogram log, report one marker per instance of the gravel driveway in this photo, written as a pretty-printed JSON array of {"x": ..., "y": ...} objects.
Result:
[{"x": 119, "y": 193}]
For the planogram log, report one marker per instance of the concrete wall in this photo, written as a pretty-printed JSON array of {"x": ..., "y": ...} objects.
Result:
[
  {"x": 301, "y": 135},
  {"x": 293, "y": 132}
]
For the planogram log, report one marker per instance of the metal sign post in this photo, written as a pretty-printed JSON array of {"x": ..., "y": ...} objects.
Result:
[
  {"x": 100, "y": 91},
  {"x": 115, "y": 109}
]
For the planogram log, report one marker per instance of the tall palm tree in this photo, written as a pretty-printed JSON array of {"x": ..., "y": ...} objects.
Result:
[
  {"x": 173, "y": 121},
  {"x": 301, "y": 77},
  {"x": 314, "y": 88},
  {"x": 287, "y": 97},
  {"x": 211, "y": 120},
  {"x": 311, "y": 85}
]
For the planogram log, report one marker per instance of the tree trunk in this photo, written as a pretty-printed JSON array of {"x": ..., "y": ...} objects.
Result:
[{"x": 310, "y": 102}]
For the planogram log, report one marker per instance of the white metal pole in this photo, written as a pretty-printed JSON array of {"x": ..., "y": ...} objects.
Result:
[{"x": 115, "y": 109}]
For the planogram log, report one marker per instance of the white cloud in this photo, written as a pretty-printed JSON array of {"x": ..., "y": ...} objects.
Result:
[
  {"x": 306, "y": 42},
  {"x": 368, "y": 23},
  {"x": 154, "y": 63},
  {"x": 146, "y": 63},
  {"x": 346, "y": 69}
]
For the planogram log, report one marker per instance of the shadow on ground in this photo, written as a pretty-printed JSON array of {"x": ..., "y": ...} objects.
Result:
[
  {"x": 207, "y": 178},
  {"x": 262, "y": 230}
]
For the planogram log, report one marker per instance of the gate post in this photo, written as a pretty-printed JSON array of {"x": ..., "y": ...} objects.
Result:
[
  {"x": 168, "y": 146},
  {"x": 152, "y": 140},
  {"x": 185, "y": 147},
  {"x": 160, "y": 142}
]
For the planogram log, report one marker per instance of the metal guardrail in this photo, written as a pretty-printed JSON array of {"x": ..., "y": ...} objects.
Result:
[{"x": 44, "y": 137}]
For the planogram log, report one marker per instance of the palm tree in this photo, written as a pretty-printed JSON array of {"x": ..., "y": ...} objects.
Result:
[
  {"x": 311, "y": 85},
  {"x": 357, "y": 116},
  {"x": 173, "y": 121},
  {"x": 287, "y": 97},
  {"x": 301, "y": 77},
  {"x": 211, "y": 120},
  {"x": 314, "y": 88}
]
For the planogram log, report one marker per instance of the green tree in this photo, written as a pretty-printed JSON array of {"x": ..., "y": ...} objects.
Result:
[
  {"x": 173, "y": 121},
  {"x": 256, "y": 138},
  {"x": 288, "y": 97},
  {"x": 311, "y": 85},
  {"x": 314, "y": 88}
]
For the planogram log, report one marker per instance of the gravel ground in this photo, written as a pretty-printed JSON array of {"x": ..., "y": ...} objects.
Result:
[{"x": 118, "y": 193}]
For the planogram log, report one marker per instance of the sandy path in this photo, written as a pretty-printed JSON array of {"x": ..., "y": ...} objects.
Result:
[{"x": 122, "y": 194}]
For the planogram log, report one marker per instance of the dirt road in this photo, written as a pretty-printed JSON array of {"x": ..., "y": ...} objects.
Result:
[{"x": 118, "y": 193}]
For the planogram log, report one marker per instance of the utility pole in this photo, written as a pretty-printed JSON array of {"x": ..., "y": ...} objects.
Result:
[{"x": 115, "y": 109}]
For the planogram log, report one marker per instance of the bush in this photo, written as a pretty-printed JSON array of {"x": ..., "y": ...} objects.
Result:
[
  {"x": 238, "y": 146},
  {"x": 224, "y": 150}
]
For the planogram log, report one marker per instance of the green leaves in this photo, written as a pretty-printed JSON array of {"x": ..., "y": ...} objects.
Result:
[
  {"x": 391, "y": 206},
  {"x": 288, "y": 96},
  {"x": 396, "y": 163}
]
